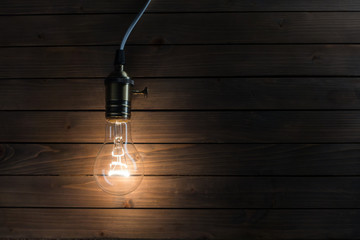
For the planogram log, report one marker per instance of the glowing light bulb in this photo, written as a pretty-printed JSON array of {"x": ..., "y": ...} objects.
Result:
[{"x": 118, "y": 166}]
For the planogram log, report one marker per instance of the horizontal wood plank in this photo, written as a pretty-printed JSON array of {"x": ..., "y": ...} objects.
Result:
[
  {"x": 189, "y": 159},
  {"x": 184, "y": 192},
  {"x": 186, "y": 94},
  {"x": 183, "y": 61},
  {"x": 179, "y": 224},
  {"x": 187, "y": 127},
  {"x": 113, "y": 6},
  {"x": 192, "y": 28}
]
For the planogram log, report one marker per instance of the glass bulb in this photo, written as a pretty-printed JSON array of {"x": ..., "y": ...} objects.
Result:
[{"x": 119, "y": 167}]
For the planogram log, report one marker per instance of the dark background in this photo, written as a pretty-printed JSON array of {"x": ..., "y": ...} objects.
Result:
[{"x": 251, "y": 129}]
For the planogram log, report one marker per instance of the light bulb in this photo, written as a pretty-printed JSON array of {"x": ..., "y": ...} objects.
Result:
[{"x": 118, "y": 166}]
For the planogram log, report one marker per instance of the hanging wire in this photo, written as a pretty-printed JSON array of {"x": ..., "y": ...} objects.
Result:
[{"x": 132, "y": 25}]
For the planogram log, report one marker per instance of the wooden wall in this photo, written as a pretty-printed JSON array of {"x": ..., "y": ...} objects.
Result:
[{"x": 251, "y": 129}]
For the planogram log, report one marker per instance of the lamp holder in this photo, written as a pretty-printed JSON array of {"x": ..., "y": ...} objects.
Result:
[
  {"x": 118, "y": 85},
  {"x": 118, "y": 90}
]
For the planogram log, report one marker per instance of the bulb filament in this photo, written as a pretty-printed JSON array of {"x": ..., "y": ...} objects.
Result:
[{"x": 118, "y": 166}]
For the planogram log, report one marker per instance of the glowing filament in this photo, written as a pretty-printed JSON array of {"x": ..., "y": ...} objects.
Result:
[
  {"x": 118, "y": 168},
  {"x": 124, "y": 173}
]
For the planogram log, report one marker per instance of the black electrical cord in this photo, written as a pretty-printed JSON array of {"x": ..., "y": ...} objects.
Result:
[{"x": 120, "y": 54}]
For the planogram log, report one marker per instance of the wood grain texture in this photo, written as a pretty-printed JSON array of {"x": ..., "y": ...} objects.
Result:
[
  {"x": 190, "y": 159},
  {"x": 251, "y": 129},
  {"x": 187, "y": 127},
  {"x": 113, "y": 6},
  {"x": 184, "y": 192},
  {"x": 179, "y": 224},
  {"x": 183, "y": 61},
  {"x": 191, "y": 28},
  {"x": 186, "y": 94}
]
